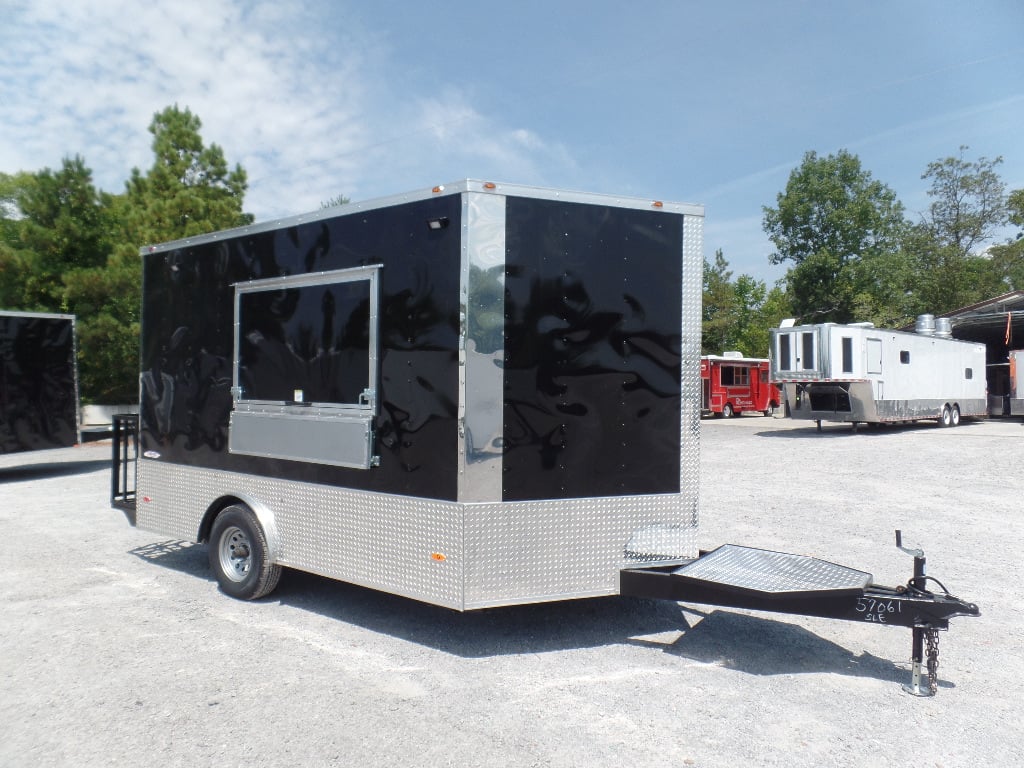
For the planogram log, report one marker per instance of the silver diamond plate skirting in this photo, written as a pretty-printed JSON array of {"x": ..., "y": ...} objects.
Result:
[{"x": 456, "y": 555}]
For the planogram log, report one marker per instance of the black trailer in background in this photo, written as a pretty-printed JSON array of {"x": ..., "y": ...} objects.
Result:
[{"x": 38, "y": 382}]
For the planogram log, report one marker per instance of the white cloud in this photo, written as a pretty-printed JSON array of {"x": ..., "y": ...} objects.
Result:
[{"x": 300, "y": 100}]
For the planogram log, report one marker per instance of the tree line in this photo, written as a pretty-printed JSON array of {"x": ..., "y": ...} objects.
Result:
[
  {"x": 67, "y": 247},
  {"x": 850, "y": 250},
  {"x": 853, "y": 254}
]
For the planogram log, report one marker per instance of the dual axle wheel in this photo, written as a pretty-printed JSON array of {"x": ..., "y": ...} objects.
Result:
[{"x": 950, "y": 416}]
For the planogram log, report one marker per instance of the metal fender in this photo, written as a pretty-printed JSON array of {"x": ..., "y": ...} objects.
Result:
[{"x": 268, "y": 523}]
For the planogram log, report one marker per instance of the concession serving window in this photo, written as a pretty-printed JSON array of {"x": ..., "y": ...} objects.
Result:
[{"x": 305, "y": 367}]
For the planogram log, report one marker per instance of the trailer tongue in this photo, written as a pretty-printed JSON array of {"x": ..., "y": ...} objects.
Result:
[{"x": 757, "y": 579}]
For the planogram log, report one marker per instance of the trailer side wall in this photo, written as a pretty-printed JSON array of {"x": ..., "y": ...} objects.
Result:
[
  {"x": 592, "y": 352},
  {"x": 38, "y": 382},
  {"x": 188, "y": 342}
]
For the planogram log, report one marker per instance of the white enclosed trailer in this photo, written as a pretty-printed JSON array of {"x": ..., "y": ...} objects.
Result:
[{"x": 861, "y": 374}]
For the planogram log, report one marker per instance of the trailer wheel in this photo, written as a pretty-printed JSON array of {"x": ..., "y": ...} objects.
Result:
[
  {"x": 954, "y": 416},
  {"x": 239, "y": 555},
  {"x": 727, "y": 411},
  {"x": 947, "y": 417}
]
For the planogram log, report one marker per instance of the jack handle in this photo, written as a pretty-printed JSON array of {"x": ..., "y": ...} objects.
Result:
[
  {"x": 899, "y": 545},
  {"x": 919, "y": 581}
]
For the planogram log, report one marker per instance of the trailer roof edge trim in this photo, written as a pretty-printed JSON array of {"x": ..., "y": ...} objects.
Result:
[
  {"x": 41, "y": 315},
  {"x": 454, "y": 188}
]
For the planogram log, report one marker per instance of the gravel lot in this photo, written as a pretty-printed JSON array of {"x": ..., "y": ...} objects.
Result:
[{"x": 116, "y": 647}]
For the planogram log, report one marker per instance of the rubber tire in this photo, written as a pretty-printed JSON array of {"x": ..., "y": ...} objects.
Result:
[
  {"x": 727, "y": 411},
  {"x": 954, "y": 416},
  {"x": 946, "y": 418},
  {"x": 248, "y": 576}
]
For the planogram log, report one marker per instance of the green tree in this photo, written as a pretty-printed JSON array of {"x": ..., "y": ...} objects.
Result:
[
  {"x": 1008, "y": 258},
  {"x": 968, "y": 202},
  {"x": 334, "y": 202},
  {"x": 968, "y": 208},
  {"x": 14, "y": 259},
  {"x": 53, "y": 223},
  {"x": 718, "y": 306},
  {"x": 832, "y": 217},
  {"x": 758, "y": 310},
  {"x": 188, "y": 191},
  {"x": 736, "y": 315}
]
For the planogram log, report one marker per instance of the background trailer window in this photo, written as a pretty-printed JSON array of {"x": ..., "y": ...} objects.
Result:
[
  {"x": 735, "y": 376},
  {"x": 785, "y": 359},
  {"x": 808, "y": 361}
]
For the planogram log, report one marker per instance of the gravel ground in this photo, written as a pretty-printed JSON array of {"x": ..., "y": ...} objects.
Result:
[{"x": 117, "y": 648}]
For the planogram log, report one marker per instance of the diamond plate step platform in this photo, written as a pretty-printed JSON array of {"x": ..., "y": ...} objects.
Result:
[{"x": 772, "y": 575}]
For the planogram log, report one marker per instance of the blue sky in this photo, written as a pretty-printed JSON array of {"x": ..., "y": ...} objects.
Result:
[{"x": 712, "y": 103}]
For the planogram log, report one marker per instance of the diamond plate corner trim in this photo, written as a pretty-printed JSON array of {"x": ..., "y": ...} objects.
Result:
[
  {"x": 531, "y": 551},
  {"x": 689, "y": 439}
]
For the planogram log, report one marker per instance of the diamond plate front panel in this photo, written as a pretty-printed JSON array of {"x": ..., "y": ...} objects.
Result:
[
  {"x": 760, "y": 570},
  {"x": 530, "y": 551}
]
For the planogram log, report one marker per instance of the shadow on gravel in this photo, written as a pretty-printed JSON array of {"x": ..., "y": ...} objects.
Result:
[
  {"x": 531, "y": 628},
  {"x": 846, "y": 431},
  {"x": 182, "y": 556},
  {"x": 46, "y": 471},
  {"x": 762, "y": 646},
  {"x": 757, "y": 646}
]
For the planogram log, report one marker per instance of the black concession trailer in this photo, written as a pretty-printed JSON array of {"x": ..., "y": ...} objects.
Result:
[
  {"x": 474, "y": 395},
  {"x": 38, "y": 382}
]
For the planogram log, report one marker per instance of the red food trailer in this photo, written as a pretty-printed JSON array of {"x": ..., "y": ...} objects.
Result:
[{"x": 733, "y": 384}]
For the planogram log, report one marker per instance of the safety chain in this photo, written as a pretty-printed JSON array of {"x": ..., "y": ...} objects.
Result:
[{"x": 931, "y": 637}]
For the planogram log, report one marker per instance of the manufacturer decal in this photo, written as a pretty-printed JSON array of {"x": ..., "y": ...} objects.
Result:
[{"x": 151, "y": 455}]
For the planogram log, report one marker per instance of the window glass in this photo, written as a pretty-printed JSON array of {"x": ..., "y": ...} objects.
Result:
[
  {"x": 305, "y": 344},
  {"x": 735, "y": 376},
  {"x": 847, "y": 354},
  {"x": 785, "y": 359},
  {"x": 807, "y": 363}
]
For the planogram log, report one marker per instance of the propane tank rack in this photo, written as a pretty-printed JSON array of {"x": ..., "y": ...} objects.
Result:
[{"x": 756, "y": 579}]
